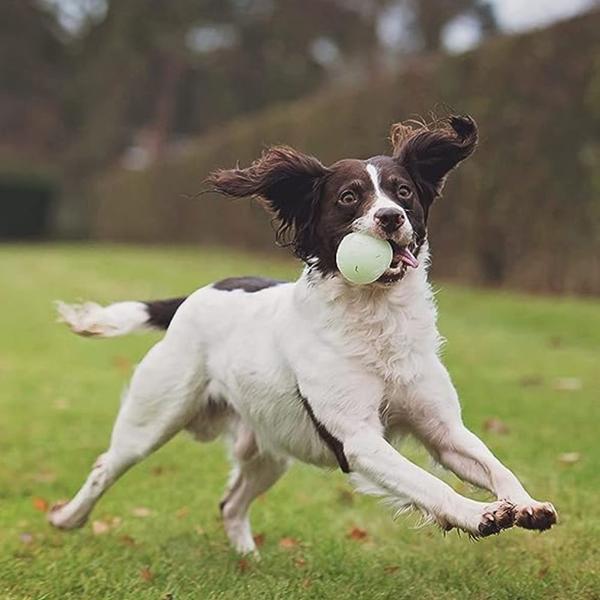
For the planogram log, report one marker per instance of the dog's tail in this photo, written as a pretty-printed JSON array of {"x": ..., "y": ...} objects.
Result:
[{"x": 121, "y": 318}]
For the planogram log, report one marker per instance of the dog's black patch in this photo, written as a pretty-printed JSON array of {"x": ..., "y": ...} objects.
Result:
[
  {"x": 249, "y": 284},
  {"x": 330, "y": 440},
  {"x": 161, "y": 312}
]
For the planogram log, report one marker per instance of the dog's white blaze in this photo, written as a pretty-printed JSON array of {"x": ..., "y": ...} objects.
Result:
[
  {"x": 374, "y": 175},
  {"x": 382, "y": 199},
  {"x": 367, "y": 221}
]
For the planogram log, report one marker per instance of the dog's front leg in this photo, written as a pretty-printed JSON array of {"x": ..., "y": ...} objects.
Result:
[
  {"x": 372, "y": 457},
  {"x": 436, "y": 420},
  {"x": 348, "y": 411}
]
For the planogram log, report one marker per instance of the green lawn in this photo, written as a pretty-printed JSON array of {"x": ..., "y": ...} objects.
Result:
[{"x": 511, "y": 357}]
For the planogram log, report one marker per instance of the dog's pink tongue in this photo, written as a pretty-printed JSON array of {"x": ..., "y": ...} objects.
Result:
[{"x": 406, "y": 256}]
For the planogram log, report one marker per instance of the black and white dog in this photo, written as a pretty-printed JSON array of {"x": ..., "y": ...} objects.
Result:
[{"x": 319, "y": 370}]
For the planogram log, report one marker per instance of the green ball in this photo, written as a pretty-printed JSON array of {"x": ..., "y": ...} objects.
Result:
[{"x": 362, "y": 258}]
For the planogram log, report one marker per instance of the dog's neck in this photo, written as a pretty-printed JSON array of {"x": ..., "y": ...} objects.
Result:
[{"x": 388, "y": 328}]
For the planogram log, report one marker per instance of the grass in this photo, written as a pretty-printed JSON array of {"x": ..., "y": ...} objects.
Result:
[{"x": 508, "y": 354}]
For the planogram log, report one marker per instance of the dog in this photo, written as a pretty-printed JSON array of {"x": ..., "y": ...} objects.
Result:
[{"x": 318, "y": 370}]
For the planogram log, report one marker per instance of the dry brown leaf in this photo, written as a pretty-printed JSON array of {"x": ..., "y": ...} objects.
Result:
[
  {"x": 259, "y": 539},
  {"x": 183, "y": 512},
  {"x": 356, "y": 533},
  {"x": 495, "y": 425},
  {"x": 390, "y": 569},
  {"x": 141, "y": 511},
  {"x": 569, "y": 458},
  {"x": 100, "y": 527},
  {"x": 40, "y": 504},
  {"x": 555, "y": 341},
  {"x": 243, "y": 565},
  {"x": 122, "y": 364},
  {"x": 306, "y": 583},
  {"x": 146, "y": 574},
  {"x": 345, "y": 496},
  {"x": 531, "y": 380},
  {"x": 127, "y": 540},
  {"x": 287, "y": 543},
  {"x": 567, "y": 384}
]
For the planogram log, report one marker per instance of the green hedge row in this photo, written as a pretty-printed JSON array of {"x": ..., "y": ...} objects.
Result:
[
  {"x": 26, "y": 204},
  {"x": 524, "y": 211}
]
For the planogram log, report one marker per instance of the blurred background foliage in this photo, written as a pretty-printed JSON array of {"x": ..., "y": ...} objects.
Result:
[{"x": 118, "y": 110}]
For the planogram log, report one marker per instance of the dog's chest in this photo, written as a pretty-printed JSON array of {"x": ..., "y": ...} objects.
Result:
[{"x": 389, "y": 335}]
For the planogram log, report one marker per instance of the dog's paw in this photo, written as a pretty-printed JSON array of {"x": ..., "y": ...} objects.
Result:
[
  {"x": 60, "y": 516},
  {"x": 498, "y": 516},
  {"x": 536, "y": 515},
  {"x": 479, "y": 519}
]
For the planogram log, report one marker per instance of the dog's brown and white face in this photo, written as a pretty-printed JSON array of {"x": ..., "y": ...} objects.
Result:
[{"x": 386, "y": 196}]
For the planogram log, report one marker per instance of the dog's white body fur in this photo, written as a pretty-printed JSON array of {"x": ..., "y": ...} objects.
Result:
[{"x": 366, "y": 358}]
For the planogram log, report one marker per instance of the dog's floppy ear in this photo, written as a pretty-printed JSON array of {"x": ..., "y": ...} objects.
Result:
[
  {"x": 430, "y": 154},
  {"x": 288, "y": 182}
]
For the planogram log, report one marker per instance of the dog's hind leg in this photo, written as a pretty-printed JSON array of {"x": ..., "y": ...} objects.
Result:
[
  {"x": 160, "y": 402},
  {"x": 254, "y": 474}
]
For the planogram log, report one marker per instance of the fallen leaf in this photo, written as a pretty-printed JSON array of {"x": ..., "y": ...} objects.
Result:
[
  {"x": 146, "y": 574},
  {"x": 100, "y": 527},
  {"x": 495, "y": 425},
  {"x": 26, "y": 538},
  {"x": 40, "y": 504},
  {"x": 122, "y": 364},
  {"x": 300, "y": 562},
  {"x": 287, "y": 543},
  {"x": 567, "y": 384},
  {"x": 183, "y": 512},
  {"x": 243, "y": 565},
  {"x": 390, "y": 569},
  {"x": 141, "y": 511},
  {"x": 345, "y": 496},
  {"x": 569, "y": 458},
  {"x": 306, "y": 583},
  {"x": 356, "y": 533},
  {"x": 127, "y": 540},
  {"x": 259, "y": 539},
  {"x": 531, "y": 380},
  {"x": 555, "y": 341}
]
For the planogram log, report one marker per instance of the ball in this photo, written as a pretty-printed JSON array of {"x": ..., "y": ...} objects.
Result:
[{"x": 362, "y": 258}]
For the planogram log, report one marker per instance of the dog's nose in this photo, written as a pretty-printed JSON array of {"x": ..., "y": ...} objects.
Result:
[{"x": 389, "y": 219}]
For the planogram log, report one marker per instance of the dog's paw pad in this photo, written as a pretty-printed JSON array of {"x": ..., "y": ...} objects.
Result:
[
  {"x": 500, "y": 515},
  {"x": 538, "y": 515}
]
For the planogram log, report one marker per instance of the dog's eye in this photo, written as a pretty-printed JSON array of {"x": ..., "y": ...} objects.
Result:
[
  {"x": 347, "y": 197},
  {"x": 403, "y": 191}
]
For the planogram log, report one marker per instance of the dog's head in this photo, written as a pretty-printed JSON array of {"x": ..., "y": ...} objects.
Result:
[{"x": 386, "y": 196}]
